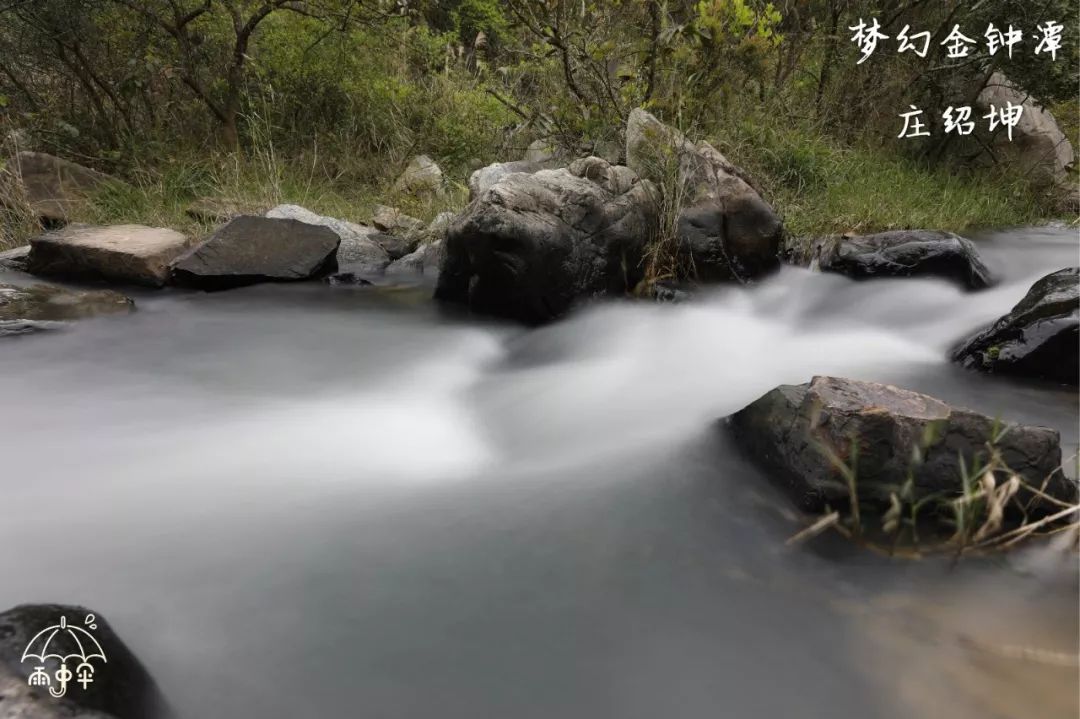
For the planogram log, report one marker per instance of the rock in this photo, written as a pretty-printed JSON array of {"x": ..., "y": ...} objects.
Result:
[
  {"x": 360, "y": 252},
  {"x": 424, "y": 262},
  {"x": 120, "y": 686},
  {"x": 422, "y": 178},
  {"x": 532, "y": 245},
  {"x": 546, "y": 154},
  {"x": 258, "y": 249},
  {"x": 394, "y": 221},
  {"x": 16, "y": 260},
  {"x": 217, "y": 211},
  {"x": 1038, "y": 338},
  {"x": 133, "y": 254},
  {"x": 347, "y": 279},
  {"x": 726, "y": 231},
  {"x": 54, "y": 187},
  {"x": 1038, "y": 149},
  {"x": 48, "y": 303},
  {"x": 786, "y": 430},
  {"x": 905, "y": 253},
  {"x": 437, "y": 228},
  {"x": 486, "y": 177}
]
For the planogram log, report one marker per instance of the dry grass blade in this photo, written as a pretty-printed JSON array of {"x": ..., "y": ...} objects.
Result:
[{"x": 829, "y": 520}]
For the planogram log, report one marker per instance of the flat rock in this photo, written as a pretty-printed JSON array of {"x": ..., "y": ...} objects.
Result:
[
  {"x": 133, "y": 254},
  {"x": 787, "y": 430},
  {"x": 394, "y": 221},
  {"x": 905, "y": 253},
  {"x": 120, "y": 686},
  {"x": 253, "y": 249},
  {"x": 1039, "y": 338},
  {"x": 54, "y": 187}
]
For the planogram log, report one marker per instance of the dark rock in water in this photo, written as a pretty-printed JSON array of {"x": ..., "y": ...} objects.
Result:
[
  {"x": 788, "y": 430},
  {"x": 120, "y": 686},
  {"x": 54, "y": 187},
  {"x": 1040, "y": 337},
  {"x": 27, "y": 310},
  {"x": 532, "y": 245},
  {"x": 905, "y": 253},
  {"x": 726, "y": 231},
  {"x": 347, "y": 279},
  {"x": 394, "y": 246},
  {"x": 252, "y": 249},
  {"x": 16, "y": 260},
  {"x": 131, "y": 254}
]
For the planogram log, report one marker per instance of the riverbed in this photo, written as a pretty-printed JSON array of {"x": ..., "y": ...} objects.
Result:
[{"x": 301, "y": 500}]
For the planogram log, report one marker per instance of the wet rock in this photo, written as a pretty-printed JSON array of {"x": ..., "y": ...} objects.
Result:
[
  {"x": 55, "y": 188},
  {"x": 121, "y": 688},
  {"x": 252, "y": 249},
  {"x": 48, "y": 303},
  {"x": 393, "y": 221},
  {"x": 904, "y": 253},
  {"x": 424, "y": 262},
  {"x": 726, "y": 230},
  {"x": 422, "y": 178},
  {"x": 361, "y": 250},
  {"x": 532, "y": 245},
  {"x": 350, "y": 279},
  {"x": 1040, "y": 337},
  {"x": 133, "y": 254},
  {"x": 16, "y": 260},
  {"x": 788, "y": 430},
  {"x": 486, "y": 177}
]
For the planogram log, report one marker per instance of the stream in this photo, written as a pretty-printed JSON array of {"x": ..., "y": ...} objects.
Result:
[{"x": 301, "y": 500}]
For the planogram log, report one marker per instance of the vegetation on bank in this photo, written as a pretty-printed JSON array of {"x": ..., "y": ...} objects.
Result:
[{"x": 322, "y": 102}]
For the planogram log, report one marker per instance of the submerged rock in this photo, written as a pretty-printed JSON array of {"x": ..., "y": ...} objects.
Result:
[
  {"x": 1040, "y": 337},
  {"x": 17, "y": 259},
  {"x": 792, "y": 430},
  {"x": 48, "y": 303},
  {"x": 120, "y": 686},
  {"x": 532, "y": 245},
  {"x": 904, "y": 253},
  {"x": 53, "y": 187},
  {"x": 133, "y": 254},
  {"x": 726, "y": 231},
  {"x": 252, "y": 249}
]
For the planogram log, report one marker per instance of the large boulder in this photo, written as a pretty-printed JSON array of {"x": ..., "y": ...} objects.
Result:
[
  {"x": 422, "y": 178},
  {"x": 1040, "y": 337},
  {"x": 360, "y": 251},
  {"x": 532, "y": 245},
  {"x": 796, "y": 431},
  {"x": 53, "y": 187},
  {"x": 725, "y": 230},
  {"x": 258, "y": 249},
  {"x": 133, "y": 254},
  {"x": 485, "y": 178},
  {"x": 26, "y": 310},
  {"x": 119, "y": 687},
  {"x": 904, "y": 253},
  {"x": 1038, "y": 148}
]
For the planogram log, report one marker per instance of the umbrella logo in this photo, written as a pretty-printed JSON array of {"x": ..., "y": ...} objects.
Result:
[{"x": 64, "y": 643}]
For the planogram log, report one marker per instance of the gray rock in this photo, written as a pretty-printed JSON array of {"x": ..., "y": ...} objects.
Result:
[
  {"x": 422, "y": 178},
  {"x": 1038, "y": 149},
  {"x": 787, "y": 430},
  {"x": 437, "y": 228},
  {"x": 423, "y": 263},
  {"x": 486, "y": 177},
  {"x": 1040, "y": 337},
  {"x": 120, "y": 687},
  {"x": 361, "y": 250},
  {"x": 133, "y": 254},
  {"x": 546, "y": 154},
  {"x": 905, "y": 253},
  {"x": 252, "y": 249},
  {"x": 17, "y": 259},
  {"x": 726, "y": 231},
  {"x": 395, "y": 222},
  {"x": 55, "y": 188},
  {"x": 532, "y": 245}
]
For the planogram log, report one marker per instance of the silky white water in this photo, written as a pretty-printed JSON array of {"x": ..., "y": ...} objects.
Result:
[{"x": 313, "y": 501}]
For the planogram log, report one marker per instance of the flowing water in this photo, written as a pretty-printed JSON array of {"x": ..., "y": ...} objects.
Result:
[{"x": 311, "y": 501}]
